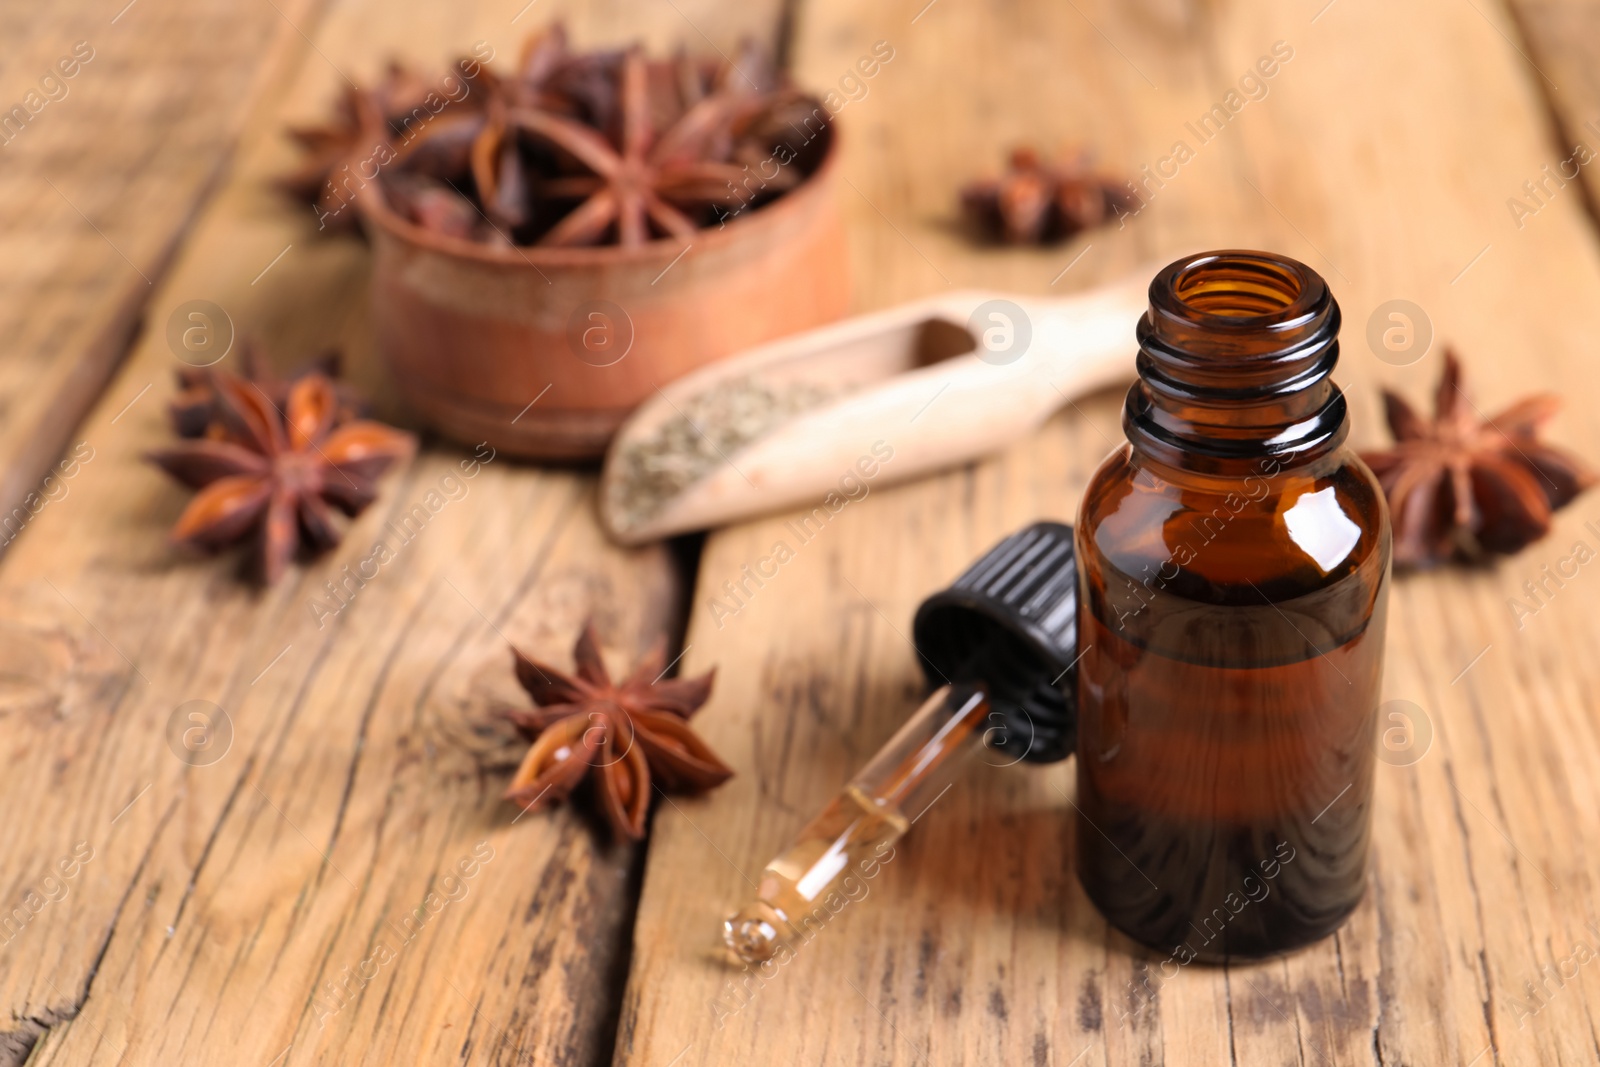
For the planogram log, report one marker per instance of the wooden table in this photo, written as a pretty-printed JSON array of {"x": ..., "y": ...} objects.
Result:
[{"x": 229, "y": 912}]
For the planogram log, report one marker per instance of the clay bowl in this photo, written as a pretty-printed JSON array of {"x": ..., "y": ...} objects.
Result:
[{"x": 474, "y": 333}]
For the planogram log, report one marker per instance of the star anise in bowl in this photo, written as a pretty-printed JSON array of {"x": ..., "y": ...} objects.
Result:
[
  {"x": 1037, "y": 201},
  {"x": 365, "y": 119},
  {"x": 271, "y": 475},
  {"x": 579, "y": 148},
  {"x": 625, "y": 738},
  {"x": 1461, "y": 486},
  {"x": 646, "y": 184}
]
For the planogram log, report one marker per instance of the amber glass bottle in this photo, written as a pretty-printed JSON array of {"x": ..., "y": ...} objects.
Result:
[{"x": 1233, "y": 579}]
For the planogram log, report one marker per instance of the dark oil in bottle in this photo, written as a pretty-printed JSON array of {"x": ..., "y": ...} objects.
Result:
[{"x": 1229, "y": 799}]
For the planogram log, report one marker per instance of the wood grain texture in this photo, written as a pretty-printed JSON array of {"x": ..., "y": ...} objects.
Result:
[
  {"x": 100, "y": 175},
  {"x": 1381, "y": 153},
  {"x": 342, "y": 885},
  {"x": 1561, "y": 41}
]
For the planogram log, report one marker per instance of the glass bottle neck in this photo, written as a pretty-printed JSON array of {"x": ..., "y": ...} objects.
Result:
[{"x": 1235, "y": 355}]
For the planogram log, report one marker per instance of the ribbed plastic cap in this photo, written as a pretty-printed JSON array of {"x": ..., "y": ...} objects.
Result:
[{"x": 1011, "y": 623}]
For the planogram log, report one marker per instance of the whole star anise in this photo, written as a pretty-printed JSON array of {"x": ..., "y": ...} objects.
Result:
[
  {"x": 273, "y": 473},
  {"x": 1036, "y": 202},
  {"x": 400, "y": 103},
  {"x": 636, "y": 185},
  {"x": 630, "y": 735},
  {"x": 1461, "y": 485}
]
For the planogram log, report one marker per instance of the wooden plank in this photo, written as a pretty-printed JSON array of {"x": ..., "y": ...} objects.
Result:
[
  {"x": 1561, "y": 41},
  {"x": 98, "y": 184},
  {"x": 976, "y": 944},
  {"x": 262, "y": 908}
]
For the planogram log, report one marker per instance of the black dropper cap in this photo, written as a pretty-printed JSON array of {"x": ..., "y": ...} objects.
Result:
[{"x": 1011, "y": 623}]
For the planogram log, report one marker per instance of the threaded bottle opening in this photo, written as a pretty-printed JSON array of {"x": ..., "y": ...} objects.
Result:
[
  {"x": 1237, "y": 304},
  {"x": 1234, "y": 358},
  {"x": 1242, "y": 285}
]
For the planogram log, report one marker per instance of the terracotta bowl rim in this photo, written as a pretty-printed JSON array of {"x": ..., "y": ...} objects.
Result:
[{"x": 375, "y": 211}]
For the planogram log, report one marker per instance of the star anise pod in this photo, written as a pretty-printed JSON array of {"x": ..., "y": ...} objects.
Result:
[
  {"x": 193, "y": 412},
  {"x": 637, "y": 188},
  {"x": 272, "y": 473},
  {"x": 362, "y": 118},
  {"x": 1036, "y": 202},
  {"x": 631, "y": 735},
  {"x": 1460, "y": 485}
]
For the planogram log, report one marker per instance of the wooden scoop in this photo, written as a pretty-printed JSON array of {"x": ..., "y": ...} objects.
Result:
[{"x": 868, "y": 401}]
